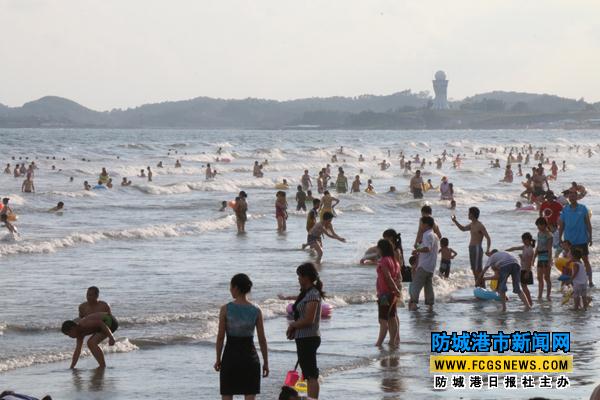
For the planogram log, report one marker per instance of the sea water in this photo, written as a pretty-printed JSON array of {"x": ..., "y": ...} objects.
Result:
[{"x": 162, "y": 255}]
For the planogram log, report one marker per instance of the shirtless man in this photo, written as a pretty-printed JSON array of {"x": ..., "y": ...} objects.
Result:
[
  {"x": 28, "y": 186},
  {"x": 98, "y": 325},
  {"x": 426, "y": 211},
  {"x": 93, "y": 305},
  {"x": 306, "y": 181},
  {"x": 538, "y": 179},
  {"x": 478, "y": 232},
  {"x": 416, "y": 185},
  {"x": 7, "y": 170},
  {"x": 355, "y": 185}
]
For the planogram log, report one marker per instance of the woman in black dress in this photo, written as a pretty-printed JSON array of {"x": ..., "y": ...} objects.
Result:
[{"x": 239, "y": 365}]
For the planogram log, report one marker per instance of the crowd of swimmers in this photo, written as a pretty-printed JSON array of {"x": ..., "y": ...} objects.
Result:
[{"x": 563, "y": 229}]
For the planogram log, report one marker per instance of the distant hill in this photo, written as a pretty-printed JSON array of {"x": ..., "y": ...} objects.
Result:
[
  {"x": 542, "y": 103},
  {"x": 401, "y": 110}
]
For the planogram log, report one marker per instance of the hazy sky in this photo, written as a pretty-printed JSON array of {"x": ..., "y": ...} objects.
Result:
[{"x": 123, "y": 53}]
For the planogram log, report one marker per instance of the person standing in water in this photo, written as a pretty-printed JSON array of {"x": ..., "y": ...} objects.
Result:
[
  {"x": 341, "y": 183},
  {"x": 239, "y": 366},
  {"x": 241, "y": 210},
  {"x": 281, "y": 211},
  {"x": 149, "y": 174},
  {"x": 306, "y": 181},
  {"x": 426, "y": 263},
  {"x": 478, "y": 232},
  {"x": 305, "y": 327},
  {"x": 576, "y": 227},
  {"x": 321, "y": 228},
  {"x": 300, "y": 199},
  {"x": 388, "y": 271},
  {"x": 328, "y": 202},
  {"x": 355, "y": 185},
  {"x": 416, "y": 185},
  {"x": 28, "y": 186}
]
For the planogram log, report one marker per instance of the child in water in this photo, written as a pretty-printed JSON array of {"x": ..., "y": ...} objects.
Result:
[
  {"x": 543, "y": 252},
  {"x": 579, "y": 281},
  {"x": 321, "y": 228},
  {"x": 223, "y": 206},
  {"x": 447, "y": 254},
  {"x": 526, "y": 257}
]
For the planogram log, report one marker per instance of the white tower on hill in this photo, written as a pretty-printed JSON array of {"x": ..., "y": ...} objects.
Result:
[{"x": 440, "y": 87}]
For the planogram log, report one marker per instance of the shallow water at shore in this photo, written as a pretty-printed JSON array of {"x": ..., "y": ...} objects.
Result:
[{"x": 162, "y": 256}]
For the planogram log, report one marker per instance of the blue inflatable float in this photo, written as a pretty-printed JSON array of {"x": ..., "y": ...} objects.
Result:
[{"x": 485, "y": 294}]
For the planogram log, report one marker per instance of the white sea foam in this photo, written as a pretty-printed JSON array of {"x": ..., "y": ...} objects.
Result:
[
  {"x": 121, "y": 346},
  {"x": 148, "y": 232}
]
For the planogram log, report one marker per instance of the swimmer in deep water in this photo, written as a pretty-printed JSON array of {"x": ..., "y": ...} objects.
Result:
[
  {"x": 59, "y": 207},
  {"x": 100, "y": 322},
  {"x": 86, "y": 185}
]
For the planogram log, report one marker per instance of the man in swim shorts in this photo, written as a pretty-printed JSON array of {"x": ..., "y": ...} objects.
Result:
[
  {"x": 416, "y": 185},
  {"x": 93, "y": 324},
  {"x": 538, "y": 180},
  {"x": 507, "y": 266},
  {"x": 478, "y": 232}
]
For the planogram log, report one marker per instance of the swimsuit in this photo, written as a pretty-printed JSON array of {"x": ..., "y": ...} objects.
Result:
[{"x": 111, "y": 322}]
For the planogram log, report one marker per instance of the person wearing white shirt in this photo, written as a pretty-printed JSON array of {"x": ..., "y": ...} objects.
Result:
[{"x": 427, "y": 261}]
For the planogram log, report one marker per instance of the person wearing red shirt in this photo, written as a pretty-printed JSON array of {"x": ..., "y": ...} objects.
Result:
[{"x": 550, "y": 209}]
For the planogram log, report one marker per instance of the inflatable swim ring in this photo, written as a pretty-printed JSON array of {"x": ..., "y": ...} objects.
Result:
[
  {"x": 103, "y": 179},
  {"x": 99, "y": 187},
  {"x": 370, "y": 191},
  {"x": 326, "y": 310},
  {"x": 561, "y": 262},
  {"x": 225, "y": 160},
  {"x": 12, "y": 217},
  {"x": 484, "y": 294},
  {"x": 282, "y": 186}
]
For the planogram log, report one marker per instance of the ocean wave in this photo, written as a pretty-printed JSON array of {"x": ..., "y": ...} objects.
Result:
[
  {"x": 356, "y": 208},
  {"x": 77, "y": 194},
  {"x": 140, "y": 146},
  {"x": 148, "y": 232},
  {"x": 121, "y": 346}
]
